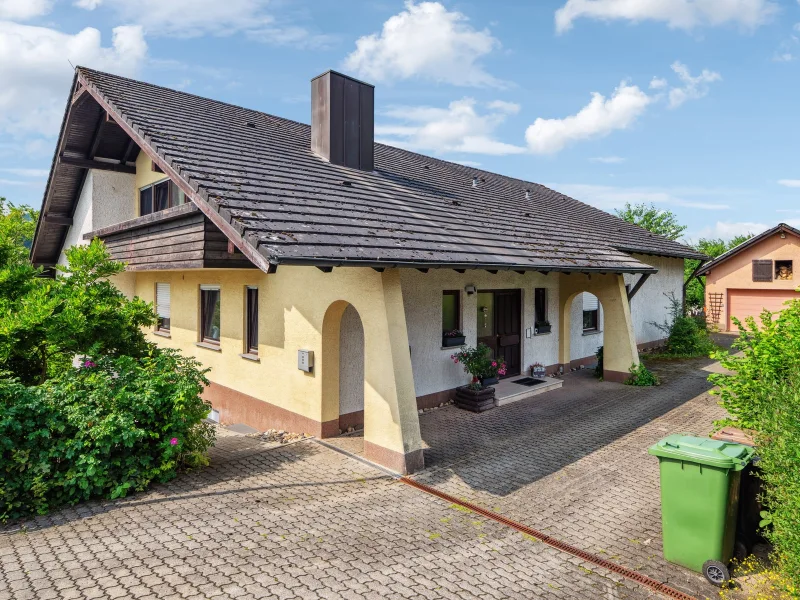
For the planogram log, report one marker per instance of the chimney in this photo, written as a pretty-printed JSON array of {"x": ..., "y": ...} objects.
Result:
[{"x": 343, "y": 120}]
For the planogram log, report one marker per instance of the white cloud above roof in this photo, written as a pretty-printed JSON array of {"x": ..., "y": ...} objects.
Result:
[
  {"x": 597, "y": 119},
  {"x": 425, "y": 41},
  {"x": 678, "y": 14},
  {"x": 460, "y": 127},
  {"x": 36, "y": 74},
  {"x": 790, "y": 183}
]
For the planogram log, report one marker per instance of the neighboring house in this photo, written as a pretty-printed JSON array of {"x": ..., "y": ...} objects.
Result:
[
  {"x": 755, "y": 275},
  {"x": 259, "y": 238}
]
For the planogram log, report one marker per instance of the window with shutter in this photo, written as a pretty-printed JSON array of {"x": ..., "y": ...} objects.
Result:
[
  {"x": 591, "y": 312},
  {"x": 762, "y": 270},
  {"x": 162, "y": 307}
]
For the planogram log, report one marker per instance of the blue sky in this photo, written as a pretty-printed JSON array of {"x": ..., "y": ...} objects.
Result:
[{"x": 690, "y": 104}]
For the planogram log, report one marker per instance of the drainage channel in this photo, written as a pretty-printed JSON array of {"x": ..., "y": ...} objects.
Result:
[{"x": 643, "y": 580}]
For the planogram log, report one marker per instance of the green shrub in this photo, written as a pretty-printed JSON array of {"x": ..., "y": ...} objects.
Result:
[
  {"x": 641, "y": 376},
  {"x": 686, "y": 336},
  {"x": 101, "y": 430},
  {"x": 762, "y": 395},
  {"x": 598, "y": 369}
]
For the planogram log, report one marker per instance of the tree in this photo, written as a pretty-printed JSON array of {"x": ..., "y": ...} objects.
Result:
[
  {"x": 696, "y": 290},
  {"x": 655, "y": 220},
  {"x": 45, "y": 323}
]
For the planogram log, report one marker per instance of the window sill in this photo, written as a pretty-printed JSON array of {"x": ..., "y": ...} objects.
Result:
[
  {"x": 542, "y": 334},
  {"x": 454, "y": 347},
  {"x": 592, "y": 332},
  {"x": 164, "y": 334},
  {"x": 252, "y": 357},
  {"x": 208, "y": 346}
]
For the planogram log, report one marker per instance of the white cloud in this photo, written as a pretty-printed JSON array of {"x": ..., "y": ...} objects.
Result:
[
  {"x": 457, "y": 128},
  {"x": 791, "y": 183},
  {"x": 680, "y": 14},
  {"x": 36, "y": 75},
  {"x": 20, "y": 10},
  {"x": 608, "y": 160},
  {"x": 195, "y": 18},
  {"x": 427, "y": 41},
  {"x": 597, "y": 119},
  {"x": 27, "y": 172},
  {"x": 88, "y": 4},
  {"x": 693, "y": 87},
  {"x": 728, "y": 230},
  {"x": 611, "y": 197},
  {"x": 658, "y": 83}
]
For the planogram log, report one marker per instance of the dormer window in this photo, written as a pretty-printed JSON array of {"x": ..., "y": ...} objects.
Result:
[{"x": 160, "y": 196}]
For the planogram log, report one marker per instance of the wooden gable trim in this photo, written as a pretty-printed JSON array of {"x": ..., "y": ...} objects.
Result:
[{"x": 197, "y": 199}]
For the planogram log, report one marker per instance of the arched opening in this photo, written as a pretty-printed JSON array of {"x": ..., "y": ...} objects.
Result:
[
  {"x": 586, "y": 332},
  {"x": 341, "y": 367},
  {"x": 351, "y": 370},
  {"x": 595, "y": 312}
]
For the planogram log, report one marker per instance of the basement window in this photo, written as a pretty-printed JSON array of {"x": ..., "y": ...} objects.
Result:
[{"x": 160, "y": 196}]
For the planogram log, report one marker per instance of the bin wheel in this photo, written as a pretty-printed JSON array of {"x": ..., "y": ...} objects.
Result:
[{"x": 716, "y": 572}]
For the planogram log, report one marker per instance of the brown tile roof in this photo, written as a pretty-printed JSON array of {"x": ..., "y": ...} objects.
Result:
[
  {"x": 780, "y": 227},
  {"x": 259, "y": 173}
]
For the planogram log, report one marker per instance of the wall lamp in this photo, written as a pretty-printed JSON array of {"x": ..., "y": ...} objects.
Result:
[{"x": 470, "y": 289}]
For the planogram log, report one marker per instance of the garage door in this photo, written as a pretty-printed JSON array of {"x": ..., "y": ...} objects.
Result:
[{"x": 750, "y": 303}]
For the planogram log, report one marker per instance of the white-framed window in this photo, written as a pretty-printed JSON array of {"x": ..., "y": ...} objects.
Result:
[
  {"x": 251, "y": 320},
  {"x": 210, "y": 314},
  {"x": 591, "y": 312},
  {"x": 163, "y": 311},
  {"x": 160, "y": 196}
]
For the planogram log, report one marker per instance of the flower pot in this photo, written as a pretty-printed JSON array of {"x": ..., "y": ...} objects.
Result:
[
  {"x": 475, "y": 400},
  {"x": 447, "y": 342},
  {"x": 487, "y": 381}
]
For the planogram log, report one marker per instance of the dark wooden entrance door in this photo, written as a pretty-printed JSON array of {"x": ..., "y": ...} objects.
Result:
[{"x": 500, "y": 326}]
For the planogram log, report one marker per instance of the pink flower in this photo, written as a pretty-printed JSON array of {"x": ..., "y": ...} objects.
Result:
[
  {"x": 494, "y": 363},
  {"x": 455, "y": 360},
  {"x": 88, "y": 364},
  {"x": 174, "y": 441}
]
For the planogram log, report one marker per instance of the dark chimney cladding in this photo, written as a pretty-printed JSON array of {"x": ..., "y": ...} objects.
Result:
[{"x": 343, "y": 120}]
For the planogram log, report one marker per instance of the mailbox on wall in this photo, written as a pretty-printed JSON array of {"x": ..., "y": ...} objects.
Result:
[{"x": 305, "y": 360}]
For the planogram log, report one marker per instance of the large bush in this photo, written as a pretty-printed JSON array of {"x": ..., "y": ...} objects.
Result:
[
  {"x": 686, "y": 337},
  {"x": 101, "y": 430},
  {"x": 762, "y": 395},
  {"x": 45, "y": 323},
  {"x": 131, "y": 415}
]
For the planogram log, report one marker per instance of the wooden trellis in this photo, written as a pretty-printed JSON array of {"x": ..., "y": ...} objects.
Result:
[{"x": 715, "y": 301}]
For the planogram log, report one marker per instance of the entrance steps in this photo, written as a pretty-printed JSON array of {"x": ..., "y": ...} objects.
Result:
[{"x": 506, "y": 391}]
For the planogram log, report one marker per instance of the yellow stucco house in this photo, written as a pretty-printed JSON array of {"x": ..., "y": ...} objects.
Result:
[{"x": 317, "y": 272}]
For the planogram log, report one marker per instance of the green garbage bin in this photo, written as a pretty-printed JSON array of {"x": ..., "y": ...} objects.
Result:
[{"x": 699, "y": 499}]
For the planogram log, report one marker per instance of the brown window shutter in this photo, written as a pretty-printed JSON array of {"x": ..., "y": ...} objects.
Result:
[{"x": 762, "y": 270}]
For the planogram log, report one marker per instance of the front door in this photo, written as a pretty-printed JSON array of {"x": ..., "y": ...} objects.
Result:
[{"x": 500, "y": 326}]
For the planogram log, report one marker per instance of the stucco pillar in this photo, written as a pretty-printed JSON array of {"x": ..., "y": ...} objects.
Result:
[
  {"x": 619, "y": 343},
  {"x": 391, "y": 422}
]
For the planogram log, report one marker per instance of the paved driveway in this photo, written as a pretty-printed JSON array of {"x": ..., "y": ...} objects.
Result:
[{"x": 305, "y": 521}]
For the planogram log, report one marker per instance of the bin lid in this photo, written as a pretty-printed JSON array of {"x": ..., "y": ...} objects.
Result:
[{"x": 704, "y": 451}]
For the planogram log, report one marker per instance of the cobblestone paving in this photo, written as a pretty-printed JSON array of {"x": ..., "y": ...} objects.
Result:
[
  {"x": 304, "y": 521},
  {"x": 574, "y": 462}
]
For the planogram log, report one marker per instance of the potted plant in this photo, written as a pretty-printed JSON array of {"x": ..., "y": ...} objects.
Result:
[
  {"x": 537, "y": 370},
  {"x": 478, "y": 395},
  {"x": 541, "y": 327},
  {"x": 455, "y": 337}
]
